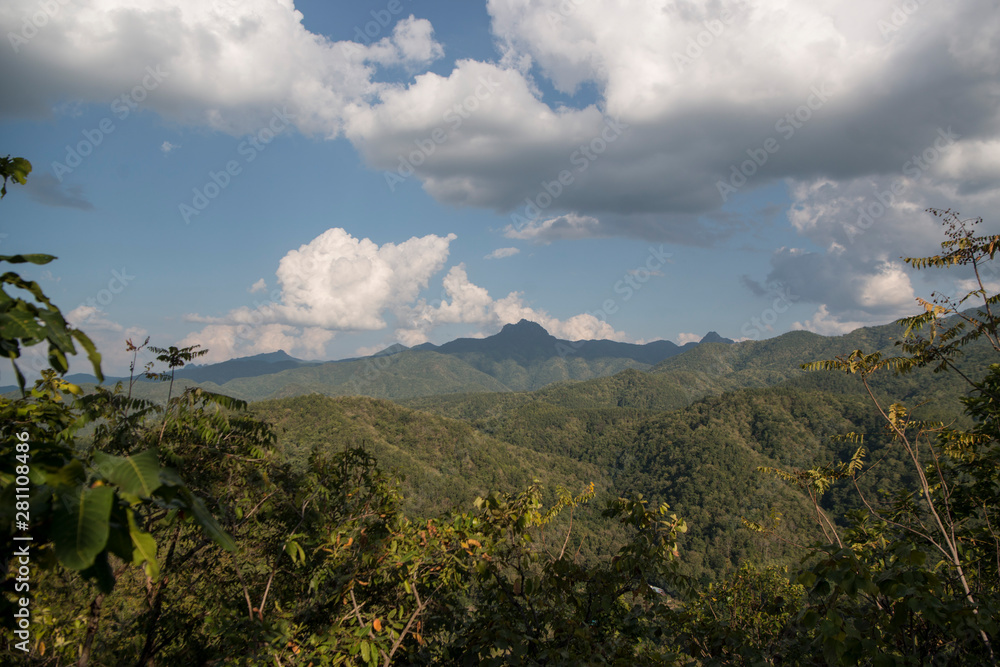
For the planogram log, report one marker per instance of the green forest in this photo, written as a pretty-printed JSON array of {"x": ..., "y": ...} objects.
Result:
[{"x": 795, "y": 501}]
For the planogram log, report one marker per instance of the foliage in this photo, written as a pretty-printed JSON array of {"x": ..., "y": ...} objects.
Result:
[
  {"x": 24, "y": 323},
  {"x": 15, "y": 169},
  {"x": 88, "y": 510},
  {"x": 917, "y": 578},
  {"x": 747, "y": 619},
  {"x": 200, "y": 530}
]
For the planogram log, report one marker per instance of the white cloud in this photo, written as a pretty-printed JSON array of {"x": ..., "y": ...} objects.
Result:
[
  {"x": 963, "y": 287},
  {"x": 569, "y": 226},
  {"x": 259, "y": 286},
  {"x": 334, "y": 283},
  {"x": 825, "y": 324},
  {"x": 167, "y": 147},
  {"x": 863, "y": 225},
  {"x": 684, "y": 93},
  {"x": 109, "y": 337},
  {"x": 689, "y": 114},
  {"x": 685, "y": 338},
  {"x": 226, "y": 341},
  {"x": 226, "y": 69},
  {"x": 500, "y": 253},
  {"x": 92, "y": 318},
  {"x": 889, "y": 288},
  {"x": 339, "y": 282},
  {"x": 414, "y": 40},
  {"x": 465, "y": 302}
]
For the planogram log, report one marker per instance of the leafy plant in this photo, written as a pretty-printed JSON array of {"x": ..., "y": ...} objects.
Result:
[{"x": 918, "y": 577}]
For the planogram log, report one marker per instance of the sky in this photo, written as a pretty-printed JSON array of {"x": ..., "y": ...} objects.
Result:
[{"x": 332, "y": 178}]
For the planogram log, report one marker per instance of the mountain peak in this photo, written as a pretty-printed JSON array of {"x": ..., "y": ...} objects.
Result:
[
  {"x": 524, "y": 329},
  {"x": 713, "y": 337},
  {"x": 266, "y": 357}
]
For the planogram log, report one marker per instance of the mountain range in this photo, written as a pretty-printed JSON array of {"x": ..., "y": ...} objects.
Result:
[
  {"x": 521, "y": 357},
  {"x": 686, "y": 425},
  {"x": 526, "y": 363}
]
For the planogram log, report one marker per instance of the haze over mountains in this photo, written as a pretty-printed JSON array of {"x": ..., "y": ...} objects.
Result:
[
  {"x": 521, "y": 357},
  {"x": 524, "y": 357}
]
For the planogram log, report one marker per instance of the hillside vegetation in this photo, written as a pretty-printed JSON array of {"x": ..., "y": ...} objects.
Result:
[{"x": 725, "y": 507}]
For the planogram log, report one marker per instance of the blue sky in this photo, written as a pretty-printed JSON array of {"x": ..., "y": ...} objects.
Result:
[{"x": 331, "y": 178}]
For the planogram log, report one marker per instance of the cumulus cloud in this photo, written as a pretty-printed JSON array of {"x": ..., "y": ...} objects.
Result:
[
  {"x": 686, "y": 93},
  {"x": 685, "y": 338},
  {"x": 467, "y": 303},
  {"x": 167, "y": 147},
  {"x": 500, "y": 253},
  {"x": 226, "y": 341},
  {"x": 826, "y": 325},
  {"x": 224, "y": 69},
  {"x": 863, "y": 226},
  {"x": 335, "y": 282},
  {"x": 259, "y": 286},
  {"x": 93, "y": 318},
  {"x": 839, "y": 98},
  {"x": 414, "y": 42},
  {"x": 339, "y": 282},
  {"x": 868, "y": 119}
]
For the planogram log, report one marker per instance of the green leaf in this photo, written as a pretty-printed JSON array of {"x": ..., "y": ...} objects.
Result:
[
  {"x": 36, "y": 258},
  {"x": 70, "y": 474},
  {"x": 207, "y": 521},
  {"x": 145, "y": 548},
  {"x": 92, "y": 353},
  {"x": 119, "y": 541},
  {"x": 137, "y": 475},
  {"x": 80, "y": 525},
  {"x": 15, "y": 169}
]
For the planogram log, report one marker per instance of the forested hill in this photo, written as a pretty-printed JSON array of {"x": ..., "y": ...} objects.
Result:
[
  {"x": 524, "y": 357},
  {"x": 721, "y": 507},
  {"x": 691, "y": 432},
  {"x": 694, "y": 430},
  {"x": 521, "y": 357},
  {"x": 701, "y": 459}
]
